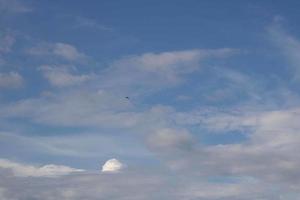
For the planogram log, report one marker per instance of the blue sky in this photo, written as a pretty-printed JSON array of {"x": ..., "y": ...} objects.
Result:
[{"x": 213, "y": 103}]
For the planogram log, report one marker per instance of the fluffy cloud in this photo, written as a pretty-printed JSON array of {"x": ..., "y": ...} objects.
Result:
[
  {"x": 112, "y": 166},
  {"x": 59, "y": 76},
  {"x": 21, "y": 170},
  {"x": 60, "y": 50},
  {"x": 67, "y": 51},
  {"x": 10, "y": 80}
]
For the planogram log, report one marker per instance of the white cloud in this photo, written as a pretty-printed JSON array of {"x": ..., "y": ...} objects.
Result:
[
  {"x": 59, "y": 76},
  {"x": 158, "y": 70},
  {"x": 112, "y": 166},
  {"x": 60, "y": 50},
  {"x": 67, "y": 51},
  {"x": 10, "y": 80},
  {"x": 21, "y": 170}
]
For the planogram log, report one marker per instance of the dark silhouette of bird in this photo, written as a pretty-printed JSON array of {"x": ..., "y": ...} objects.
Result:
[{"x": 127, "y": 98}]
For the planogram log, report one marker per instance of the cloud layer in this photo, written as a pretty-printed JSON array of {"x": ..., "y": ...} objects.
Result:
[{"x": 194, "y": 105}]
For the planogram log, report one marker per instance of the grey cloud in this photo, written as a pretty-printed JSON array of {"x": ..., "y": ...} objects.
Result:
[
  {"x": 166, "y": 139},
  {"x": 268, "y": 154},
  {"x": 137, "y": 184}
]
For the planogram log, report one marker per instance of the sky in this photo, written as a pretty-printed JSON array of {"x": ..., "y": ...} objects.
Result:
[{"x": 149, "y": 100}]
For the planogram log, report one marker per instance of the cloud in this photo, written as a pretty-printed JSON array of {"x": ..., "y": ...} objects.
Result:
[
  {"x": 167, "y": 138},
  {"x": 288, "y": 45},
  {"x": 11, "y": 80},
  {"x": 123, "y": 186},
  {"x": 13, "y": 6},
  {"x": 6, "y": 43},
  {"x": 7, "y": 40},
  {"x": 3, "y": 196},
  {"x": 84, "y": 145},
  {"x": 67, "y": 51},
  {"x": 272, "y": 140},
  {"x": 60, "y": 50},
  {"x": 21, "y": 170},
  {"x": 112, "y": 166},
  {"x": 165, "y": 68},
  {"x": 76, "y": 108},
  {"x": 84, "y": 22},
  {"x": 60, "y": 76},
  {"x": 101, "y": 102},
  {"x": 139, "y": 185}
]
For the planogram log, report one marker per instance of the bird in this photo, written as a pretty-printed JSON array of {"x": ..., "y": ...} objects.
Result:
[{"x": 127, "y": 98}]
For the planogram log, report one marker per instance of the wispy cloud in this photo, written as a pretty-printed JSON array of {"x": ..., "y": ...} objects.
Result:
[
  {"x": 159, "y": 70},
  {"x": 84, "y": 22},
  {"x": 103, "y": 101},
  {"x": 288, "y": 45},
  {"x": 51, "y": 170},
  {"x": 6, "y": 42},
  {"x": 11, "y": 80},
  {"x": 13, "y": 6}
]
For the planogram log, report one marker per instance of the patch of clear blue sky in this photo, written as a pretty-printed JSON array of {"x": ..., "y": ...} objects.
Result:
[{"x": 142, "y": 26}]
